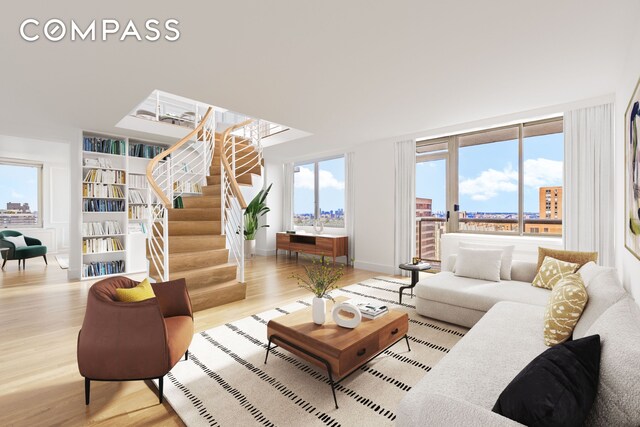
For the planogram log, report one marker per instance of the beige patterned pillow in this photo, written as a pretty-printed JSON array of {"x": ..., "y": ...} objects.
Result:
[
  {"x": 552, "y": 271},
  {"x": 564, "y": 308}
]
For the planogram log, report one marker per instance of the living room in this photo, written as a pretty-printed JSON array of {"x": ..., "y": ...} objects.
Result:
[{"x": 330, "y": 213}]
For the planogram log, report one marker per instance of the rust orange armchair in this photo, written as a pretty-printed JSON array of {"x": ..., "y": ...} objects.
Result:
[{"x": 126, "y": 341}]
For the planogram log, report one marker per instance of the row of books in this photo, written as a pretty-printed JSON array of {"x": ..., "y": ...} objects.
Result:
[
  {"x": 137, "y": 181},
  {"x": 102, "y": 268},
  {"x": 137, "y": 227},
  {"x": 135, "y": 196},
  {"x": 102, "y": 205},
  {"x": 104, "y": 145},
  {"x": 101, "y": 228},
  {"x": 105, "y": 176},
  {"x": 102, "y": 190},
  {"x": 145, "y": 150},
  {"x": 186, "y": 187},
  {"x": 137, "y": 212},
  {"x": 100, "y": 162},
  {"x": 108, "y": 244},
  {"x": 372, "y": 310}
]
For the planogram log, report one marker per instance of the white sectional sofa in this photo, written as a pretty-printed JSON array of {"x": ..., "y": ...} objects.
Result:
[{"x": 507, "y": 333}]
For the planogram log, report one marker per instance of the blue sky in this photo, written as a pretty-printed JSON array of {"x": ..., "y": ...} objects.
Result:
[
  {"x": 488, "y": 175},
  {"x": 18, "y": 184},
  {"x": 331, "y": 186}
]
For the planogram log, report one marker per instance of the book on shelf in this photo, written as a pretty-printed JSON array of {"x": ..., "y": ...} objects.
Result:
[
  {"x": 107, "y": 244},
  {"x": 372, "y": 310},
  {"x": 138, "y": 181},
  {"x": 137, "y": 227},
  {"x": 102, "y": 268},
  {"x": 104, "y": 145},
  {"x": 100, "y": 162},
  {"x": 135, "y": 196},
  {"x": 187, "y": 187},
  {"x": 101, "y": 229},
  {"x": 102, "y": 205},
  {"x": 137, "y": 212},
  {"x": 110, "y": 191},
  {"x": 146, "y": 151},
  {"x": 105, "y": 176}
]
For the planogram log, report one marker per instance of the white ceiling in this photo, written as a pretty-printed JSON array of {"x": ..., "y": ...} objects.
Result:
[{"x": 345, "y": 71}]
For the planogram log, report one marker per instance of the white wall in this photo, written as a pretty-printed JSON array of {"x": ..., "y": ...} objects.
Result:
[
  {"x": 54, "y": 157},
  {"x": 628, "y": 264}
]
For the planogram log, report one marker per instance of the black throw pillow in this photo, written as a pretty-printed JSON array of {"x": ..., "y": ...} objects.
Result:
[{"x": 557, "y": 388}]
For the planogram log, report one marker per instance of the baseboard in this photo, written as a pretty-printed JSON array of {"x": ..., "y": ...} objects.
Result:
[
  {"x": 378, "y": 268},
  {"x": 265, "y": 252}
]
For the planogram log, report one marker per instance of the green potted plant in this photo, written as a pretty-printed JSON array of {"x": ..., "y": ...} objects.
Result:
[
  {"x": 255, "y": 209},
  {"x": 320, "y": 278}
]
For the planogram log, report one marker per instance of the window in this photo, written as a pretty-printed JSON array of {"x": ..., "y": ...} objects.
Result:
[
  {"x": 318, "y": 193},
  {"x": 501, "y": 180},
  {"x": 20, "y": 194}
]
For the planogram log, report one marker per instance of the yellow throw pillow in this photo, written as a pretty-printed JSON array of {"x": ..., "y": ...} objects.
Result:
[
  {"x": 552, "y": 271},
  {"x": 564, "y": 308},
  {"x": 141, "y": 292}
]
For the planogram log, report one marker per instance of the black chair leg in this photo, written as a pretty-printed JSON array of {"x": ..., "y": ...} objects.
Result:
[
  {"x": 45, "y": 259},
  {"x": 87, "y": 390},
  {"x": 4, "y": 262},
  {"x": 186, "y": 355},
  {"x": 160, "y": 392}
]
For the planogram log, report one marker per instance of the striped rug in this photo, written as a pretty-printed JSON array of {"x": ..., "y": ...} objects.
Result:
[{"x": 226, "y": 383}]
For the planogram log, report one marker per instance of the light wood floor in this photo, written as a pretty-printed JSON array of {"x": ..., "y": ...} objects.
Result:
[{"x": 40, "y": 315}]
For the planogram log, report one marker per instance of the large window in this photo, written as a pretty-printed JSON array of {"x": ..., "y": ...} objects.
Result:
[
  {"x": 502, "y": 180},
  {"x": 319, "y": 193},
  {"x": 20, "y": 194}
]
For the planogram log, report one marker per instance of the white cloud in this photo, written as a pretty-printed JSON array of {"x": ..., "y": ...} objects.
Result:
[
  {"x": 304, "y": 179},
  {"x": 490, "y": 183},
  {"x": 537, "y": 173},
  {"x": 542, "y": 172},
  {"x": 16, "y": 195}
]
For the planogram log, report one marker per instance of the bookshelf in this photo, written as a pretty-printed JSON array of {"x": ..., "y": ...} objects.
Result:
[{"x": 115, "y": 201}]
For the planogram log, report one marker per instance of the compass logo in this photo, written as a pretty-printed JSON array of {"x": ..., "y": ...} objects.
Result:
[{"x": 56, "y": 30}]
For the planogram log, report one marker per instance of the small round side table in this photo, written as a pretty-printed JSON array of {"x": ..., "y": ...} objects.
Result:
[{"x": 415, "y": 270}]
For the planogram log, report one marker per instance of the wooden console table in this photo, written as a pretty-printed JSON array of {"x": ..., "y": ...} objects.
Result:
[{"x": 313, "y": 244}]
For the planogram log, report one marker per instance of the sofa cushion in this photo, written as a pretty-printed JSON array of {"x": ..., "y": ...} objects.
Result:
[
  {"x": 557, "y": 388},
  {"x": 580, "y": 258},
  {"x": 523, "y": 271},
  {"x": 487, "y": 358},
  {"x": 179, "y": 335},
  {"x": 478, "y": 294},
  {"x": 552, "y": 271},
  {"x": 618, "y": 399},
  {"x": 482, "y": 264},
  {"x": 590, "y": 270},
  {"x": 604, "y": 290},
  {"x": 506, "y": 259},
  {"x": 30, "y": 251}
]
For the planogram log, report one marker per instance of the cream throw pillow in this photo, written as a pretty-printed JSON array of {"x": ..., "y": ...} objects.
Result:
[
  {"x": 18, "y": 241},
  {"x": 507, "y": 256},
  {"x": 564, "y": 308},
  {"x": 552, "y": 271},
  {"x": 482, "y": 264}
]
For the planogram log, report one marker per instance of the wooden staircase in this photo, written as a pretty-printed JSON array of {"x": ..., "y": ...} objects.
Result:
[{"x": 196, "y": 246}]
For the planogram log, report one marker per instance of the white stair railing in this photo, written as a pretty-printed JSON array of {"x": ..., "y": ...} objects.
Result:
[{"x": 180, "y": 170}]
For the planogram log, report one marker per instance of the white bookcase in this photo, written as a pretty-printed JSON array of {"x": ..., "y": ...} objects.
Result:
[{"x": 115, "y": 201}]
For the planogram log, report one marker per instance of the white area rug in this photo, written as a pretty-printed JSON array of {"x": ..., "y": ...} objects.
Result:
[
  {"x": 63, "y": 261},
  {"x": 225, "y": 381}
]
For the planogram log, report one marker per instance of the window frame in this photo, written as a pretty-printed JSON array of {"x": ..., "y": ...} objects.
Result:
[
  {"x": 40, "y": 168},
  {"x": 316, "y": 190},
  {"x": 451, "y": 156}
]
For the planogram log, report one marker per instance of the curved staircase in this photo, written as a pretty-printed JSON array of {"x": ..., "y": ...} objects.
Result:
[{"x": 199, "y": 237}]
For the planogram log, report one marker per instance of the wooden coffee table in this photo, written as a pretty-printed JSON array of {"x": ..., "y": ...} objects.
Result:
[{"x": 340, "y": 351}]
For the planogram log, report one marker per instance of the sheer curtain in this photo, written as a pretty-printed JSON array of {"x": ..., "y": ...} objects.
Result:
[
  {"x": 405, "y": 203},
  {"x": 588, "y": 218},
  {"x": 287, "y": 197},
  {"x": 350, "y": 203}
]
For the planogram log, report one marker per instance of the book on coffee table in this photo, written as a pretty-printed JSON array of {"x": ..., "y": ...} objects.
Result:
[{"x": 372, "y": 310}]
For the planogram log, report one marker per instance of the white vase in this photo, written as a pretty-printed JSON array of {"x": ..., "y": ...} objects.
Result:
[
  {"x": 249, "y": 248},
  {"x": 319, "y": 310}
]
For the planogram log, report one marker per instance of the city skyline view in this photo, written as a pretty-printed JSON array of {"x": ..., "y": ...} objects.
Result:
[
  {"x": 331, "y": 183},
  {"x": 19, "y": 186}
]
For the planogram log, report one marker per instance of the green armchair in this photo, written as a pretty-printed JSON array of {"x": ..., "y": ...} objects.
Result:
[{"x": 34, "y": 248}]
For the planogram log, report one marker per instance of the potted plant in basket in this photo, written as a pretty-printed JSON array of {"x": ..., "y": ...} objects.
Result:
[
  {"x": 255, "y": 209},
  {"x": 320, "y": 278}
]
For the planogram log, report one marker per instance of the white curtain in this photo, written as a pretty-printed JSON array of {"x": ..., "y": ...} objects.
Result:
[
  {"x": 287, "y": 197},
  {"x": 588, "y": 215},
  {"x": 405, "y": 203},
  {"x": 350, "y": 187}
]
